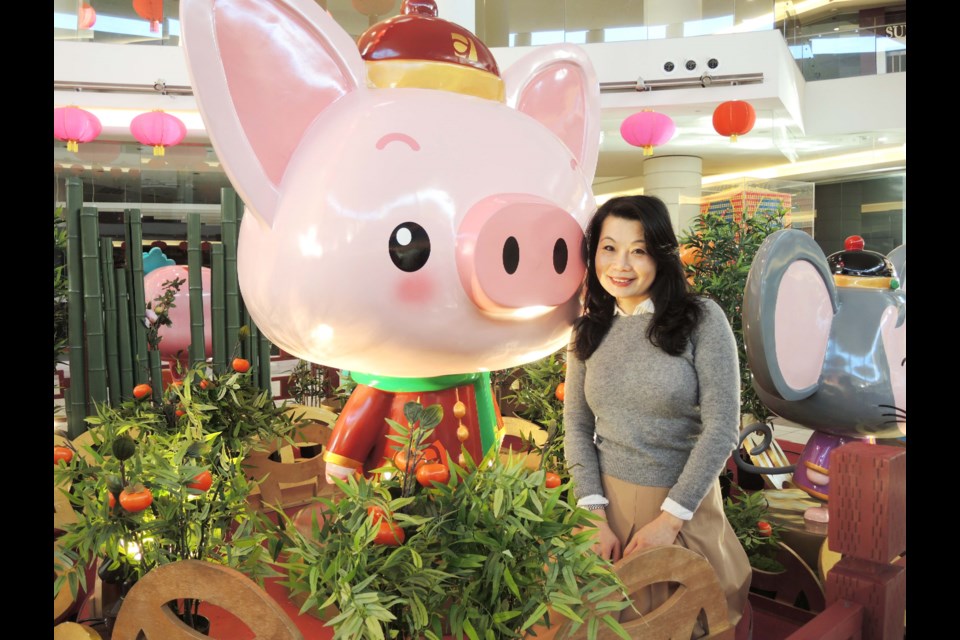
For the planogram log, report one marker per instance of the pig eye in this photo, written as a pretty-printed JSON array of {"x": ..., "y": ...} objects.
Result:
[{"x": 409, "y": 246}]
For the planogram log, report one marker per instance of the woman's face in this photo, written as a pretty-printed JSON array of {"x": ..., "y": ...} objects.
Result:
[{"x": 624, "y": 268}]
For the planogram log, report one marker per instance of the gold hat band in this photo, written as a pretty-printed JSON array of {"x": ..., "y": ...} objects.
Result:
[
  {"x": 863, "y": 282},
  {"x": 426, "y": 74}
]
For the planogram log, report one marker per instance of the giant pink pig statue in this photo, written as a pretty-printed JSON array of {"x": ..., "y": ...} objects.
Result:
[{"x": 412, "y": 213}]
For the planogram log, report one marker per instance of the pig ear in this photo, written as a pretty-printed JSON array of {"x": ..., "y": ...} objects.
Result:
[
  {"x": 262, "y": 70},
  {"x": 557, "y": 85},
  {"x": 788, "y": 309}
]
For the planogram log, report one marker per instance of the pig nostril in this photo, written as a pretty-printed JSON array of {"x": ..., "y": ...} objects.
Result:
[
  {"x": 511, "y": 255},
  {"x": 560, "y": 256}
]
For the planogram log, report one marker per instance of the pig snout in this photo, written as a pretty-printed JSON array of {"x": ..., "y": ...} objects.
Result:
[{"x": 518, "y": 251}]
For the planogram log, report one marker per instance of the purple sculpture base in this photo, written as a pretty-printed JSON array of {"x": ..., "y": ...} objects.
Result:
[{"x": 817, "y": 453}]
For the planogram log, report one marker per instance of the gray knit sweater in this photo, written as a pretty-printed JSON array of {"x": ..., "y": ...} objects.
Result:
[{"x": 660, "y": 420}]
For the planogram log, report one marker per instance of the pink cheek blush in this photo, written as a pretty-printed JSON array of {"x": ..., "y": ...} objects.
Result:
[{"x": 414, "y": 289}]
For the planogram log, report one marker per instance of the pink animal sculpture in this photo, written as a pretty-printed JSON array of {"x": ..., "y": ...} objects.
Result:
[
  {"x": 414, "y": 216},
  {"x": 175, "y": 338}
]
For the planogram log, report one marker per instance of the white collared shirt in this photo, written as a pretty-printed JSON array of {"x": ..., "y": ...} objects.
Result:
[{"x": 644, "y": 307}]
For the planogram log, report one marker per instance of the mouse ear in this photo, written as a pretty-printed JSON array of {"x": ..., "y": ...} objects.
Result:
[
  {"x": 788, "y": 308},
  {"x": 899, "y": 259}
]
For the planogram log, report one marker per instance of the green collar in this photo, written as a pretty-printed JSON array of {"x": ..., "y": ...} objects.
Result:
[{"x": 481, "y": 386}]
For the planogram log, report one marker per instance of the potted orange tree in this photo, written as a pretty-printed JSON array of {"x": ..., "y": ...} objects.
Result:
[{"x": 162, "y": 481}]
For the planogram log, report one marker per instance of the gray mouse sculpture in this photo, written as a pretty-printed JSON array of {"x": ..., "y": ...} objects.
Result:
[{"x": 826, "y": 343}]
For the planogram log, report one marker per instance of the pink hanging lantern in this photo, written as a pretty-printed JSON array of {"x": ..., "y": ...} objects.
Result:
[
  {"x": 86, "y": 17},
  {"x": 648, "y": 129},
  {"x": 75, "y": 125},
  {"x": 159, "y": 129}
]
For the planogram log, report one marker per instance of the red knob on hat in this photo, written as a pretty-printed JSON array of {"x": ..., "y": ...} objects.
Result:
[
  {"x": 853, "y": 243},
  {"x": 422, "y": 7}
]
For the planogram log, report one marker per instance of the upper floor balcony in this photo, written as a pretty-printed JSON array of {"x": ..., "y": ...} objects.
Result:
[{"x": 829, "y": 39}]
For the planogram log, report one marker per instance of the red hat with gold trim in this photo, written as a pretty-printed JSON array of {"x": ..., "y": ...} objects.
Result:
[{"x": 418, "y": 49}]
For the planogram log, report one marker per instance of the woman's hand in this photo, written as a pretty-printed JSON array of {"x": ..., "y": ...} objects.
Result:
[
  {"x": 607, "y": 544},
  {"x": 660, "y": 531}
]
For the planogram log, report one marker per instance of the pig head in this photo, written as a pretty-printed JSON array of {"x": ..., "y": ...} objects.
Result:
[{"x": 408, "y": 231}]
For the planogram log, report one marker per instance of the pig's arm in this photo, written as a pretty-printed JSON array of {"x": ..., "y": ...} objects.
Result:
[{"x": 358, "y": 428}]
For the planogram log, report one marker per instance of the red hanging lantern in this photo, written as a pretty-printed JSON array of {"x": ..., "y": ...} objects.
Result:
[
  {"x": 86, "y": 16},
  {"x": 372, "y": 7},
  {"x": 648, "y": 129},
  {"x": 159, "y": 129},
  {"x": 734, "y": 118},
  {"x": 75, "y": 125},
  {"x": 151, "y": 10}
]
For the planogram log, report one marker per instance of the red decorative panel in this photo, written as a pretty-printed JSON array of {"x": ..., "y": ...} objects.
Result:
[
  {"x": 880, "y": 588},
  {"x": 868, "y": 500}
]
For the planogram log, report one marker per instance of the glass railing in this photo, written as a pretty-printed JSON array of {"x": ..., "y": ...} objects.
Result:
[{"x": 849, "y": 51}]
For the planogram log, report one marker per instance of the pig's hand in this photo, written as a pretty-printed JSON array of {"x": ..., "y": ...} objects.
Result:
[{"x": 336, "y": 471}]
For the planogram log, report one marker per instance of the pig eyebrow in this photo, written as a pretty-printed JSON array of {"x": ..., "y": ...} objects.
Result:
[{"x": 397, "y": 137}]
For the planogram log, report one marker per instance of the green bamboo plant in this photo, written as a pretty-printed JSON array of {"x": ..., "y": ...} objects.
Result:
[
  {"x": 104, "y": 332},
  {"x": 483, "y": 550},
  {"x": 60, "y": 287}
]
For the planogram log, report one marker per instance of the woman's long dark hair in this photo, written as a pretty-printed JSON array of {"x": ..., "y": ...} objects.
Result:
[{"x": 676, "y": 311}]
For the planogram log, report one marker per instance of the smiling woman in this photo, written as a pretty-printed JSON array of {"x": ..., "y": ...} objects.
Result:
[{"x": 651, "y": 401}]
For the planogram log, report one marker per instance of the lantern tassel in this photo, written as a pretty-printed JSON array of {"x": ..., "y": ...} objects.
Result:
[
  {"x": 733, "y": 138},
  {"x": 154, "y": 26},
  {"x": 73, "y": 146},
  {"x": 648, "y": 149},
  {"x": 158, "y": 149}
]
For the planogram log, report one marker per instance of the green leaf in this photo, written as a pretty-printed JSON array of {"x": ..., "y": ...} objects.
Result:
[
  {"x": 613, "y": 625},
  {"x": 503, "y": 616},
  {"x": 411, "y": 412},
  {"x": 534, "y": 617},
  {"x": 470, "y": 631},
  {"x": 511, "y": 583},
  {"x": 374, "y": 630},
  {"x": 431, "y": 416},
  {"x": 559, "y": 607}
]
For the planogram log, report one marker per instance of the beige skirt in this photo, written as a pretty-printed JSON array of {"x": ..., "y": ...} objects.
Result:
[{"x": 708, "y": 533}]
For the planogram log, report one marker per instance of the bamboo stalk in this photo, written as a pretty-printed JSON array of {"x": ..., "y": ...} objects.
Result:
[
  {"x": 228, "y": 236},
  {"x": 123, "y": 330},
  {"x": 264, "y": 361},
  {"x": 247, "y": 346},
  {"x": 218, "y": 309},
  {"x": 198, "y": 351},
  {"x": 93, "y": 305},
  {"x": 156, "y": 374},
  {"x": 141, "y": 369},
  {"x": 77, "y": 405},
  {"x": 110, "y": 320}
]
